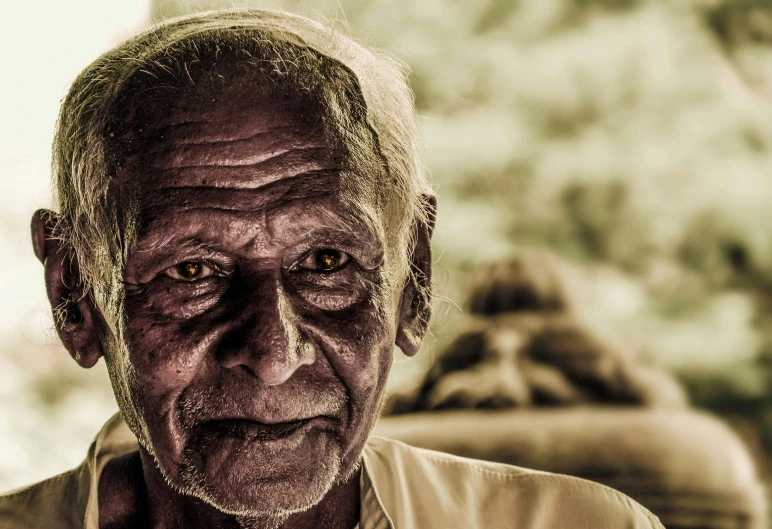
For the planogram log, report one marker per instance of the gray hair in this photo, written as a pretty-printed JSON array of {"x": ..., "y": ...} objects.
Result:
[{"x": 364, "y": 96}]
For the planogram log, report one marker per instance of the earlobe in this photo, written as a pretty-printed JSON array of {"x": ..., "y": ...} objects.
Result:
[
  {"x": 415, "y": 309},
  {"x": 74, "y": 320},
  {"x": 411, "y": 333},
  {"x": 75, "y": 314},
  {"x": 41, "y": 220}
]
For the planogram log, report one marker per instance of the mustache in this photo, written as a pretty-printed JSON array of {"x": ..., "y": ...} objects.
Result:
[{"x": 267, "y": 404}]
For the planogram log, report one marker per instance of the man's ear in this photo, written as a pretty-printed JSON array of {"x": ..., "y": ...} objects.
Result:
[
  {"x": 75, "y": 314},
  {"x": 416, "y": 305}
]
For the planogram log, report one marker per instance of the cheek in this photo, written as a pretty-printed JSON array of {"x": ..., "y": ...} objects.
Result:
[
  {"x": 166, "y": 359},
  {"x": 165, "y": 354},
  {"x": 167, "y": 299},
  {"x": 359, "y": 346}
]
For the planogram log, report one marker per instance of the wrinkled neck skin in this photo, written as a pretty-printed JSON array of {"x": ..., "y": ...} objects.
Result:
[{"x": 132, "y": 493}]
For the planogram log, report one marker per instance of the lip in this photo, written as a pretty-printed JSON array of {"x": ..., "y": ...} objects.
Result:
[
  {"x": 253, "y": 430},
  {"x": 267, "y": 420},
  {"x": 262, "y": 432}
]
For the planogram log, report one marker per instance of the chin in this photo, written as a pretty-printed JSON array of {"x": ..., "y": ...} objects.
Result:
[
  {"x": 250, "y": 480},
  {"x": 258, "y": 499}
]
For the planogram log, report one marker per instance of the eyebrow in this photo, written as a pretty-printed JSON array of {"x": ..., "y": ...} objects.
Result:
[
  {"x": 179, "y": 244},
  {"x": 151, "y": 254},
  {"x": 194, "y": 244},
  {"x": 239, "y": 201}
]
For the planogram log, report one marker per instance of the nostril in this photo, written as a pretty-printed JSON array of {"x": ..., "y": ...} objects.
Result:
[{"x": 247, "y": 369}]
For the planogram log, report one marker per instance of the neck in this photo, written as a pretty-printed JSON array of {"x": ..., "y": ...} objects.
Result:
[{"x": 133, "y": 493}]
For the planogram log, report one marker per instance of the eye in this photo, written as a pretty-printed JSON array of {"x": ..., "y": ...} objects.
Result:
[
  {"x": 189, "y": 271},
  {"x": 325, "y": 260}
]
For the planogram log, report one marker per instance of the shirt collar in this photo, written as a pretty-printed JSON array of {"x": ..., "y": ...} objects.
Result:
[{"x": 115, "y": 440}]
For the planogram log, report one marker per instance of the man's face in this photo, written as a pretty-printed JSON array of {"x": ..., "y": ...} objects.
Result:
[{"x": 260, "y": 322}]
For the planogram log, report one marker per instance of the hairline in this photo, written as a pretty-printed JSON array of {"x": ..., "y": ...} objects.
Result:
[{"x": 71, "y": 198}]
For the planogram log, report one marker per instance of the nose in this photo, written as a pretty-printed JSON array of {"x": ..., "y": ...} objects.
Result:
[{"x": 264, "y": 339}]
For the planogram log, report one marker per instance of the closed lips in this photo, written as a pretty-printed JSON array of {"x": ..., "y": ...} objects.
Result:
[{"x": 252, "y": 430}]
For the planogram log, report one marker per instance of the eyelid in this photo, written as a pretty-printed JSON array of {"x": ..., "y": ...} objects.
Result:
[
  {"x": 208, "y": 270},
  {"x": 347, "y": 258}
]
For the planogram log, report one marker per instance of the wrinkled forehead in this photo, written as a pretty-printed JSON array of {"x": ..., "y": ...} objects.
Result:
[
  {"x": 219, "y": 137},
  {"x": 231, "y": 105},
  {"x": 232, "y": 126}
]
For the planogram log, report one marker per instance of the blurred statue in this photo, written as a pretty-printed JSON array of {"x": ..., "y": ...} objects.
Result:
[
  {"x": 525, "y": 345},
  {"x": 244, "y": 235},
  {"x": 524, "y": 381}
]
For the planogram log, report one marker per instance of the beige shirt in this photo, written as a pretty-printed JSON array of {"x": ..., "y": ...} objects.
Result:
[{"x": 401, "y": 488}]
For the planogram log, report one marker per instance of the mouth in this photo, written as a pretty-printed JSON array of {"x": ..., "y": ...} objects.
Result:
[{"x": 253, "y": 430}]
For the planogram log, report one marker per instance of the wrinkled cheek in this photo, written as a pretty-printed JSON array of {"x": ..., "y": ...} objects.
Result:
[
  {"x": 358, "y": 341},
  {"x": 164, "y": 362},
  {"x": 375, "y": 387},
  {"x": 365, "y": 375},
  {"x": 359, "y": 349},
  {"x": 162, "y": 357}
]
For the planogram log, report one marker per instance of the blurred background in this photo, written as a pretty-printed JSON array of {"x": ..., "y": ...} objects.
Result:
[{"x": 629, "y": 141}]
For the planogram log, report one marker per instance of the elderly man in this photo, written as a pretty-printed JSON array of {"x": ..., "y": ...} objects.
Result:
[{"x": 244, "y": 236}]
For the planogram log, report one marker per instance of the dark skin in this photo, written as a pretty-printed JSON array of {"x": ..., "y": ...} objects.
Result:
[{"x": 261, "y": 316}]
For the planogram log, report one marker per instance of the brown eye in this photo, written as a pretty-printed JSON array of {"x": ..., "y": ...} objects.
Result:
[
  {"x": 189, "y": 271},
  {"x": 326, "y": 260}
]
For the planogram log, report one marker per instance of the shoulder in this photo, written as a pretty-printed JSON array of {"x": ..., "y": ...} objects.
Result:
[
  {"x": 52, "y": 503},
  {"x": 482, "y": 494}
]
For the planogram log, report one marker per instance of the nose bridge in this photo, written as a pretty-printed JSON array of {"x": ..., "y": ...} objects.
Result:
[{"x": 265, "y": 339}]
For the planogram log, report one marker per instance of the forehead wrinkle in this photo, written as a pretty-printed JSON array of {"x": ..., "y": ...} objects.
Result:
[
  {"x": 243, "y": 153},
  {"x": 285, "y": 166},
  {"x": 235, "y": 198},
  {"x": 200, "y": 132},
  {"x": 263, "y": 136},
  {"x": 232, "y": 114},
  {"x": 261, "y": 146}
]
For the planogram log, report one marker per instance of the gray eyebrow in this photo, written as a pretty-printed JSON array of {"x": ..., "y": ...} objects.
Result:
[{"x": 189, "y": 243}]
